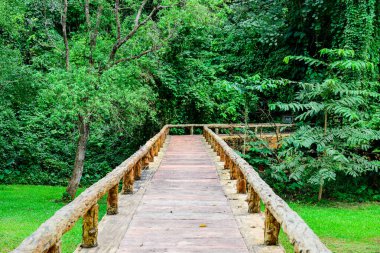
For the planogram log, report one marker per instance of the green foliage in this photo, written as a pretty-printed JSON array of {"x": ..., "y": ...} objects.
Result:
[
  {"x": 218, "y": 61},
  {"x": 316, "y": 155},
  {"x": 312, "y": 157},
  {"x": 259, "y": 154}
]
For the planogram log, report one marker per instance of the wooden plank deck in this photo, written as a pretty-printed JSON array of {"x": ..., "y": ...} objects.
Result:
[
  {"x": 185, "y": 202},
  {"x": 184, "y": 209}
]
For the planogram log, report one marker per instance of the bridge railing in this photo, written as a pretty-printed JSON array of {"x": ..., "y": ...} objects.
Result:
[
  {"x": 277, "y": 212},
  {"x": 233, "y": 128},
  {"x": 47, "y": 238}
]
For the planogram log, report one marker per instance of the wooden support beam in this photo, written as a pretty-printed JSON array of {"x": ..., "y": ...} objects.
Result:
[
  {"x": 137, "y": 169},
  {"x": 157, "y": 147},
  {"x": 112, "y": 200},
  {"x": 145, "y": 163},
  {"x": 227, "y": 163},
  {"x": 90, "y": 227},
  {"x": 56, "y": 248},
  {"x": 128, "y": 181},
  {"x": 151, "y": 154},
  {"x": 272, "y": 229},
  {"x": 253, "y": 200},
  {"x": 222, "y": 156},
  {"x": 233, "y": 171},
  {"x": 241, "y": 183}
]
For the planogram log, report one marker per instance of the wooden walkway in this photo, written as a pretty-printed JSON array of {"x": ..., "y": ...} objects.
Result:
[
  {"x": 192, "y": 198},
  {"x": 184, "y": 209}
]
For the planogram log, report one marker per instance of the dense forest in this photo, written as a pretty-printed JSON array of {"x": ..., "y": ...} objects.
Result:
[{"x": 84, "y": 83}]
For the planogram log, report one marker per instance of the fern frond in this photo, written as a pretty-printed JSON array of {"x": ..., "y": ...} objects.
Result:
[
  {"x": 308, "y": 60},
  {"x": 337, "y": 52},
  {"x": 355, "y": 65}
]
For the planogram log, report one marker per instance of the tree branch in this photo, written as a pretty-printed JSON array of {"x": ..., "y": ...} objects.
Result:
[
  {"x": 117, "y": 4},
  {"x": 87, "y": 14},
  {"x": 96, "y": 28},
  {"x": 152, "y": 49},
  {"x": 64, "y": 31},
  {"x": 139, "y": 12},
  {"x": 138, "y": 24},
  {"x": 94, "y": 34}
]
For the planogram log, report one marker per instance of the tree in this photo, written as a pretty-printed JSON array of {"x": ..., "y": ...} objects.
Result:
[
  {"x": 87, "y": 109},
  {"x": 335, "y": 94}
]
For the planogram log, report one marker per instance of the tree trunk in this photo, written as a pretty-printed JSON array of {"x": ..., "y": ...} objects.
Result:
[
  {"x": 245, "y": 127},
  {"x": 324, "y": 153},
  {"x": 64, "y": 32},
  {"x": 320, "y": 191},
  {"x": 84, "y": 129},
  {"x": 325, "y": 126}
]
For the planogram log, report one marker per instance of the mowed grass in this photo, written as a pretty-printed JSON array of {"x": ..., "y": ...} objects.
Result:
[
  {"x": 24, "y": 208},
  {"x": 347, "y": 228},
  {"x": 344, "y": 228}
]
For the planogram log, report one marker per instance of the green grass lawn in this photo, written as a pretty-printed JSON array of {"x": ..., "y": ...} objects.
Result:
[
  {"x": 343, "y": 227},
  {"x": 24, "y": 208}
]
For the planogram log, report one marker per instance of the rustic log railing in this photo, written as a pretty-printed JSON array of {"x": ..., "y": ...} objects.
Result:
[
  {"x": 277, "y": 212},
  {"x": 256, "y": 126},
  {"x": 47, "y": 238}
]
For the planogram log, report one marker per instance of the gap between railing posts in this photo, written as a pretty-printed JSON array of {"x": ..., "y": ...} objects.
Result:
[
  {"x": 47, "y": 238},
  {"x": 277, "y": 212}
]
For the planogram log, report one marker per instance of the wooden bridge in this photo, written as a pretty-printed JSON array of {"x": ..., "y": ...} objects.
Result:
[{"x": 187, "y": 193}]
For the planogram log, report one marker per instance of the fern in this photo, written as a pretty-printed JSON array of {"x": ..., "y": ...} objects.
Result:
[
  {"x": 315, "y": 155},
  {"x": 308, "y": 60}
]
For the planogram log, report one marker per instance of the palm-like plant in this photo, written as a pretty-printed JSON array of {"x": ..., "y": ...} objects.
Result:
[{"x": 340, "y": 97}]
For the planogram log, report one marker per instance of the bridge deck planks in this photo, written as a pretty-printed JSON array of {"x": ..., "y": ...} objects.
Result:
[{"x": 184, "y": 194}]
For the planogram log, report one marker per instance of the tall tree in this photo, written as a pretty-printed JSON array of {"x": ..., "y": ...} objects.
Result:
[{"x": 85, "y": 116}]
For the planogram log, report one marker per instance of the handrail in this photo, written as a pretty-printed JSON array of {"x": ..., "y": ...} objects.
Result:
[
  {"x": 277, "y": 126},
  {"x": 47, "y": 237},
  {"x": 277, "y": 213},
  {"x": 250, "y": 125}
]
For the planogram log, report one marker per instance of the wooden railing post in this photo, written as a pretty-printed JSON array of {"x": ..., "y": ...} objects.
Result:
[
  {"x": 253, "y": 200},
  {"x": 227, "y": 163},
  {"x": 222, "y": 156},
  {"x": 128, "y": 180},
  {"x": 56, "y": 248},
  {"x": 157, "y": 147},
  {"x": 233, "y": 171},
  {"x": 217, "y": 130},
  {"x": 137, "y": 170},
  {"x": 241, "y": 183},
  {"x": 112, "y": 200},
  {"x": 192, "y": 130},
  {"x": 145, "y": 162},
  {"x": 272, "y": 228},
  {"x": 90, "y": 227},
  {"x": 151, "y": 154}
]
